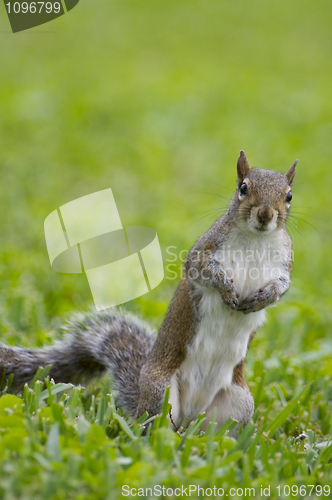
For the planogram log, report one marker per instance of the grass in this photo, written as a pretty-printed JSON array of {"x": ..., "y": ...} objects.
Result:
[
  {"x": 65, "y": 442},
  {"x": 155, "y": 101}
]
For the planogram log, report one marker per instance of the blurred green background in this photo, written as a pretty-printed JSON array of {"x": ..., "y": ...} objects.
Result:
[{"x": 155, "y": 100}]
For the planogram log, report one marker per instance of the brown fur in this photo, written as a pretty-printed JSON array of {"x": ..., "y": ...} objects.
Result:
[{"x": 168, "y": 351}]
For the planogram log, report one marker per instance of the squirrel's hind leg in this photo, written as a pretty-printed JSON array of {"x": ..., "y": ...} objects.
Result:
[{"x": 235, "y": 402}]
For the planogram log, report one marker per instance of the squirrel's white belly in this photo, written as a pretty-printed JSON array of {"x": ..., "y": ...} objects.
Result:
[
  {"x": 222, "y": 336},
  {"x": 218, "y": 346},
  {"x": 252, "y": 263}
]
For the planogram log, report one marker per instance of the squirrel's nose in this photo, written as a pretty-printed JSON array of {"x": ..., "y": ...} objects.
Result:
[{"x": 265, "y": 215}]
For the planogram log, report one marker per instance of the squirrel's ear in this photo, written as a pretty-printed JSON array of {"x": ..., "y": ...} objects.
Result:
[
  {"x": 243, "y": 167},
  {"x": 290, "y": 174}
]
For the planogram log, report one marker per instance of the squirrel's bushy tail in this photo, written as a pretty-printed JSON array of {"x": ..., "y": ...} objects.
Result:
[{"x": 95, "y": 343}]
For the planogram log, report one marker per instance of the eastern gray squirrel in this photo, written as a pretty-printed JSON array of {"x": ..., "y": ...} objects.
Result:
[{"x": 240, "y": 266}]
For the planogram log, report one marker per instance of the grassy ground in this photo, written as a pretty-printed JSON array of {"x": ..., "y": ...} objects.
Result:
[{"x": 155, "y": 101}]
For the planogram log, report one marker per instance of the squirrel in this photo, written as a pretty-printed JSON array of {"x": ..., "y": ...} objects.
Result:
[{"x": 237, "y": 269}]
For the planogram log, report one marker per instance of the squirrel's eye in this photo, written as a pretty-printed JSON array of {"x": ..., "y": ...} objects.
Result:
[
  {"x": 289, "y": 197},
  {"x": 244, "y": 189}
]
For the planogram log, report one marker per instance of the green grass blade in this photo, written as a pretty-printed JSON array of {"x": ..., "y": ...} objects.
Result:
[{"x": 282, "y": 417}]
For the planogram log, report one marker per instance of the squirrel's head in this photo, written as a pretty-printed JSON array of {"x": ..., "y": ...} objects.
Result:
[{"x": 262, "y": 197}]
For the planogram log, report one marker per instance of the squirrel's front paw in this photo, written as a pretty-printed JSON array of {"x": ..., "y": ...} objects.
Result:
[
  {"x": 229, "y": 295},
  {"x": 258, "y": 301}
]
